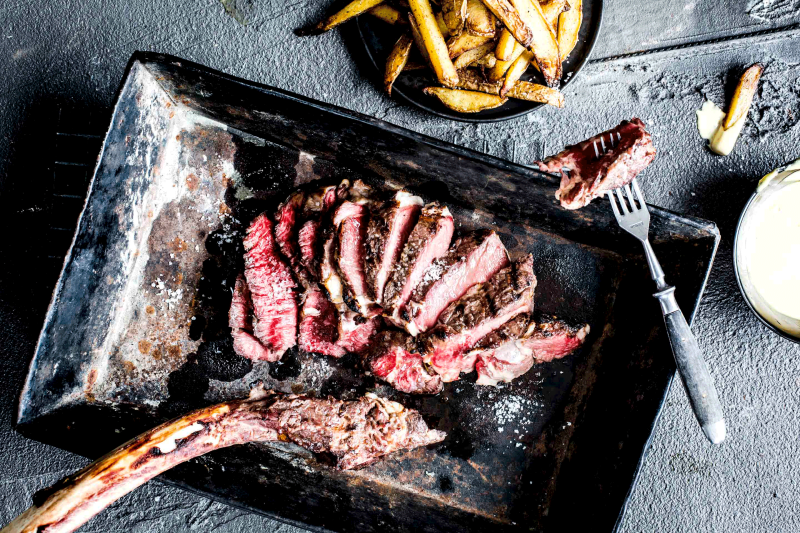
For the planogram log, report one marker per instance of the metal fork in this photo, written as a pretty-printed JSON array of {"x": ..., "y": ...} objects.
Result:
[{"x": 633, "y": 216}]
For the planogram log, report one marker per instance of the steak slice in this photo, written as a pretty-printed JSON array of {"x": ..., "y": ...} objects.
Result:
[
  {"x": 472, "y": 259},
  {"x": 310, "y": 235},
  {"x": 542, "y": 342},
  {"x": 393, "y": 359},
  {"x": 429, "y": 240},
  {"x": 350, "y": 221},
  {"x": 590, "y": 176},
  {"x": 484, "y": 308},
  {"x": 272, "y": 289},
  {"x": 356, "y": 333},
  {"x": 387, "y": 233},
  {"x": 286, "y": 225},
  {"x": 240, "y": 320},
  {"x": 319, "y": 325}
]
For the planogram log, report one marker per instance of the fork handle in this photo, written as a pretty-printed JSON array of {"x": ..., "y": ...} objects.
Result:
[{"x": 692, "y": 368}]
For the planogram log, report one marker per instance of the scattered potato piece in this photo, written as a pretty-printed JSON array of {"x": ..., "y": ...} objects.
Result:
[
  {"x": 543, "y": 43},
  {"x": 387, "y": 14},
  {"x": 465, "y": 101},
  {"x": 353, "y": 9},
  {"x": 454, "y": 13},
  {"x": 728, "y": 132},
  {"x": 464, "y": 43},
  {"x": 523, "y": 90},
  {"x": 505, "y": 45},
  {"x": 397, "y": 61},
  {"x": 480, "y": 20},
  {"x": 487, "y": 61},
  {"x": 510, "y": 17},
  {"x": 569, "y": 25},
  {"x": 515, "y": 71},
  {"x": 433, "y": 42},
  {"x": 551, "y": 9},
  {"x": 501, "y": 67},
  {"x": 471, "y": 56}
]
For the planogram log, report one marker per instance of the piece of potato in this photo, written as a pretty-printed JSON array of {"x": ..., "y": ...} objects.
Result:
[
  {"x": 454, "y": 13},
  {"x": 442, "y": 26},
  {"x": 464, "y": 43},
  {"x": 523, "y": 90},
  {"x": 480, "y": 20},
  {"x": 414, "y": 65},
  {"x": 397, "y": 61},
  {"x": 551, "y": 9},
  {"x": 569, "y": 25},
  {"x": 510, "y": 17},
  {"x": 471, "y": 56},
  {"x": 501, "y": 67},
  {"x": 465, "y": 101},
  {"x": 743, "y": 96},
  {"x": 543, "y": 43},
  {"x": 433, "y": 42},
  {"x": 387, "y": 14},
  {"x": 505, "y": 45},
  {"x": 515, "y": 71},
  {"x": 353, "y": 9},
  {"x": 487, "y": 61}
]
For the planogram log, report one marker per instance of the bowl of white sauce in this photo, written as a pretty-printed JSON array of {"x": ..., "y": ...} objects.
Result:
[{"x": 766, "y": 251}]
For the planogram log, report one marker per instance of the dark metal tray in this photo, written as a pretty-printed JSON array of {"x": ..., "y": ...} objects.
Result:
[
  {"x": 379, "y": 38},
  {"x": 137, "y": 329}
]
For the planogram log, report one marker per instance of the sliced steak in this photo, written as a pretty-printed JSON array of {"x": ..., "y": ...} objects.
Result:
[
  {"x": 272, "y": 289},
  {"x": 319, "y": 325},
  {"x": 240, "y": 320},
  {"x": 590, "y": 176},
  {"x": 484, "y": 308},
  {"x": 350, "y": 222},
  {"x": 472, "y": 259},
  {"x": 286, "y": 226},
  {"x": 508, "y": 359},
  {"x": 387, "y": 233},
  {"x": 357, "y": 333},
  {"x": 429, "y": 240},
  {"x": 393, "y": 359}
]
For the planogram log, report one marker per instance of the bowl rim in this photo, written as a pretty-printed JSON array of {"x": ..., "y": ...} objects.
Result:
[{"x": 763, "y": 320}]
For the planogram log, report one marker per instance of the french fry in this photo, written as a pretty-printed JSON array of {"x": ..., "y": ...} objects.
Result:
[
  {"x": 569, "y": 24},
  {"x": 551, "y": 9},
  {"x": 433, "y": 42},
  {"x": 442, "y": 26},
  {"x": 387, "y": 14},
  {"x": 505, "y": 45},
  {"x": 480, "y": 20},
  {"x": 523, "y": 90},
  {"x": 414, "y": 65},
  {"x": 728, "y": 132},
  {"x": 465, "y": 101},
  {"x": 353, "y": 9},
  {"x": 454, "y": 13},
  {"x": 501, "y": 67},
  {"x": 543, "y": 43},
  {"x": 397, "y": 61},
  {"x": 464, "y": 43},
  {"x": 418, "y": 40},
  {"x": 515, "y": 71},
  {"x": 487, "y": 61},
  {"x": 510, "y": 17},
  {"x": 471, "y": 56}
]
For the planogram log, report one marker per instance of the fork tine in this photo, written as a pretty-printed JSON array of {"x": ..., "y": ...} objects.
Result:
[
  {"x": 603, "y": 144},
  {"x": 639, "y": 195},
  {"x": 611, "y": 199},
  {"x": 621, "y": 201},
  {"x": 631, "y": 198},
  {"x": 596, "y": 151}
]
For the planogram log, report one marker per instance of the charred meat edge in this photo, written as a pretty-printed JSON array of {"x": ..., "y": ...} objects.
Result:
[
  {"x": 356, "y": 432},
  {"x": 350, "y": 223},
  {"x": 589, "y": 176}
]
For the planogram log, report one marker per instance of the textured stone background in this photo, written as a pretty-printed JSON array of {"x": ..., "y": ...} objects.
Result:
[{"x": 71, "y": 53}]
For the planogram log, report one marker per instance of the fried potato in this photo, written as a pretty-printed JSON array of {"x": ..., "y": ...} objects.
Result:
[
  {"x": 505, "y": 45},
  {"x": 480, "y": 20},
  {"x": 515, "y": 71},
  {"x": 569, "y": 24},
  {"x": 501, "y": 67},
  {"x": 353, "y": 9},
  {"x": 442, "y": 26},
  {"x": 454, "y": 13},
  {"x": 523, "y": 90},
  {"x": 387, "y": 14},
  {"x": 471, "y": 56},
  {"x": 464, "y": 43},
  {"x": 397, "y": 61},
  {"x": 551, "y": 9},
  {"x": 465, "y": 101},
  {"x": 487, "y": 61},
  {"x": 433, "y": 42},
  {"x": 743, "y": 97},
  {"x": 543, "y": 43},
  {"x": 510, "y": 17}
]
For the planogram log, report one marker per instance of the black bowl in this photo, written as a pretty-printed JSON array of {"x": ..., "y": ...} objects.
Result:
[{"x": 379, "y": 37}]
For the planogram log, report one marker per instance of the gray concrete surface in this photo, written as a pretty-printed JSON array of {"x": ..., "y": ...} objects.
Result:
[{"x": 73, "y": 53}]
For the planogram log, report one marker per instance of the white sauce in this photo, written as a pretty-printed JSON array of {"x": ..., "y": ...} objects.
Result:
[{"x": 709, "y": 118}]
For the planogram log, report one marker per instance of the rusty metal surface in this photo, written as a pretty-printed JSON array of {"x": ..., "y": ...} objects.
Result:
[{"x": 191, "y": 156}]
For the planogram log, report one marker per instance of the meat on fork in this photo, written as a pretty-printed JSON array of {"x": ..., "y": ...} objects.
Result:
[
  {"x": 473, "y": 258},
  {"x": 483, "y": 309},
  {"x": 429, "y": 240},
  {"x": 356, "y": 433},
  {"x": 387, "y": 232},
  {"x": 272, "y": 289},
  {"x": 589, "y": 176}
]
